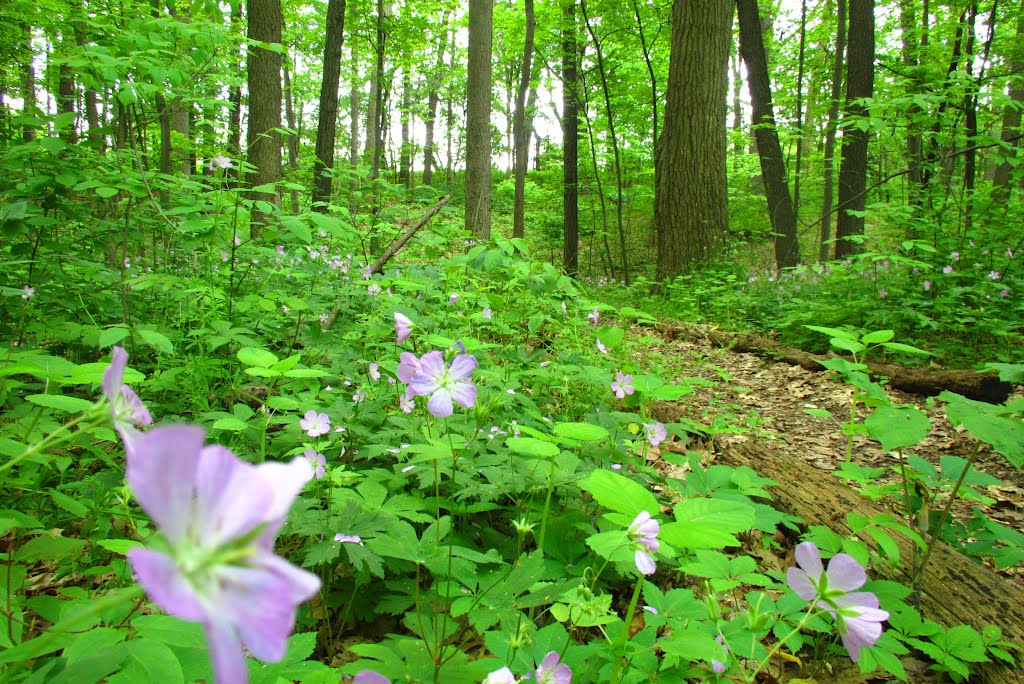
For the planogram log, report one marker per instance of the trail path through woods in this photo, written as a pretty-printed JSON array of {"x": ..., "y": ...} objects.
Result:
[{"x": 772, "y": 397}]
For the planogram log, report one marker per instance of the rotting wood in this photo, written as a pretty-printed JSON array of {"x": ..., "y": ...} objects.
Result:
[
  {"x": 984, "y": 386},
  {"x": 393, "y": 249},
  {"x": 955, "y": 590}
]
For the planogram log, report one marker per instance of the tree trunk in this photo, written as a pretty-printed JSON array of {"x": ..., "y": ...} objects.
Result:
[
  {"x": 164, "y": 116},
  {"x": 854, "y": 165},
  {"x": 375, "y": 104},
  {"x": 830, "y": 133},
  {"x": 908, "y": 29},
  {"x": 405, "y": 151},
  {"x": 28, "y": 83},
  {"x": 799, "y": 111},
  {"x": 691, "y": 212},
  {"x": 234, "y": 142},
  {"x": 292, "y": 144},
  {"x": 264, "y": 74},
  {"x": 773, "y": 170},
  {"x": 521, "y": 128},
  {"x": 650, "y": 73},
  {"x": 478, "y": 120},
  {"x": 570, "y": 143},
  {"x": 614, "y": 140},
  {"x": 1011, "y": 118},
  {"x": 66, "y": 95},
  {"x": 327, "y": 122}
]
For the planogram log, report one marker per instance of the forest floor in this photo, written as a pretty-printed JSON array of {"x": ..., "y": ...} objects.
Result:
[{"x": 772, "y": 397}]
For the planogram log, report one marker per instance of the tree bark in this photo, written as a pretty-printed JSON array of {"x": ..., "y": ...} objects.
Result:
[
  {"x": 264, "y": 74},
  {"x": 327, "y": 122},
  {"x": 234, "y": 141},
  {"x": 405, "y": 151},
  {"x": 292, "y": 144},
  {"x": 376, "y": 99},
  {"x": 570, "y": 142},
  {"x": 691, "y": 191},
  {"x": 521, "y": 127},
  {"x": 773, "y": 169},
  {"x": 478, "y": 120},
  {"x": 854, "y": 165},
  {"x": 825, "y": 233},
  {"x": 431, "y": 116},
  {"x": 28, "y": 82},
  {"x": 650, "y": 73},
  {"x": 1011, "y": 118}
]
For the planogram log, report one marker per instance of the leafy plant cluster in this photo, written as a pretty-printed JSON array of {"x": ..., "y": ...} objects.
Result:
[{"x": 447, "y": 546}]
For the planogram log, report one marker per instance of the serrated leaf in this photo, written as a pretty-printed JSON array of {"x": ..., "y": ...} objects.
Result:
[
  {"x": 707, "y": 523},
  {"x": 897, "y": 427},
  {"x": 112, "y": 336}
]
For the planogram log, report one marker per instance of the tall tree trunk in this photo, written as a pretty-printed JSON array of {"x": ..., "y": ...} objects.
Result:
[
  {"x": 596, "y": 171},
  {"x": 292, "y": 144},
  {"x": 376, "y": 99},
  {"x": 932, "y": 158},
  {"x": 164, "y": 116},
  {"x": 431, "y": 116},
  {"x": 234, "y": 142},
  {"x": 854, "y": 165},
  {"x": 327, "y": 121},
  {"x": 971, "y": 117},
  {"x": 92, "y": 114},
  {"x": 570, "y": 142},
  {"x": 264, "y": 74},
  {"x": 773, "y": 168},
  {"x": 650, "y": 72},
  {"x": 478, "y": 120},
  {"x": 737, "y": 111},
  {"x": 405, "y": 151},
  {"x": 28, "y": 82},
  {"x": 66, "y": 94},
  {"x": 614, "y": 140},
  {"x": 1011, "y": 118},
  {"x": 830, "y": 133},
  {"x": 691, "y": 212},
  {"x": 521, "y": 128},
  {"x": 799, "y": 109},
  {"x": 908, "y": 29}
]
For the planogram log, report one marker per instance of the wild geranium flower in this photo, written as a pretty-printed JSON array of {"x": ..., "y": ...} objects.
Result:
[
  {"x": 403, "y": 327},
  {"x": 453, "y": 297},
  {"x": 445, "y": 383},
  {"x": 126, "y": 408},
  {"x": 370, "y": 677},
  {"x": 601, "y": 348},
  {"x": 407, "y": 404},
  {"x": 643, "y": 534},
  {"x": 551, "y": 671},
  {"x": 656, "y": 433},
  {"x": 947, "y": 268},
  {"x": 993, "y": 275},
  {"x": 28, "y": 292},
  {"x": 374, "y": 371},
  {"x": 408, "y": 367},
  {"x": 623, "y": 385},
  {"x": 565, "y": 310},
  {"x": 502, "y": 676},
  {"x": 315, "y": 424},
  {"x": 593, "y": 316},
  {"x": 927, "y": 285},
  {"x": 317, "y": 461},
  {"x": 220, "y": 162},
  {"x": 487, "y": 313},
  {"x": 219, "y": 517},
  {"x": 348, "y": 539},
  {"x": 373, "y": 289},
  {"x": 856, "y": 613},
  {"x": 718, "y": 666}
]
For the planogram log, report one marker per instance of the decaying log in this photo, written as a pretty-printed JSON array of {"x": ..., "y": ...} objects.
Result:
[
  {"x": 922, "y": 381},
  {"x": 955, "y": 591}
]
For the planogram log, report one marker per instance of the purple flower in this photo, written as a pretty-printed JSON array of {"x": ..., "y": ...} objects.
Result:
[
  {"x": 126, "y": 408},
  {"x": 1004, "y": 293},
  {"x": 370, "y": 677},
  {"x": 219, "y": 517},
  {"x": 220, "y": 162},
  {"x": 565, "y": 311},
  {"x": 601, "y": 348},
  {"x": 408, "y": 367},
  {"x": 453, "y": 297},
  {"x": 28, "y": 292},
  {"x": 487, "y": 313},
  {"x": 651, "y": 609},
  {"x": 403, "y": 327},
  {"x": 856, "y": 613},
  {"x": 374, "y": 371},
  {"x": 883, "y": 293},
  {"x": 359, "y": 396},
  {"x": 315, "y": 424},
  {"x": 348, "y": 539},
  {"x": 718, "y": 666},
  {"x": 593, "y": 316},
  {"x": 993, "y": 275},
  {"x": 623, "y": 385},
  {"x": 656, "y": 433},
  {"x": 550, "y": 671},
  {"x": 502, "y": 676},
  {"x": 955, "y": 256},
  {"x": 927, "y": 285},
  {"x": 407, "y": 404},
  {"x": 643, "y": 533},
  {"x": 948, "y": 268},
  {"x": 444, "y": 383},
  {"x": 316, "y": 461},
  {"x": 373, "y": 289},
  {"x": 280, "y": 250}
]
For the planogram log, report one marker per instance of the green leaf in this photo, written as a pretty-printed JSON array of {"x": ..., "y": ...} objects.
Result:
[
  {"x": 1004, "y": 433},
  {"x": 306, "y": 373},
  {"x": 92, "y": 374},
  {"x": 106, "y": 192},
  {"x": 158, "y": 340},
  {"x": 113, "y": 335},
  {"x": 585, "y": 432},
  {"x": 535, "y": 448},
  {"x": 900, "y": 347},
  {"x": 611, "y": 337},
  {"x": 1008, "y": 372},
  {"x": 707, "y": 523},
  {"x": 852, "y": 346},
  {"x": 253, "y": 356},
  {"x": 878, "y": 336},
  {"x": 230, "y": 424},
  {"x": 60, "y": 402},
  {"x": 263, "y": 372},
  {"x": 833, "y": 332},
  {"x": 149, "y": 661},
  {"x": 120, "y": 546},
  {"x": 897, "y": 427},
  {"x": 619, "y": 493},
  {"x": 69, "y": 504}
]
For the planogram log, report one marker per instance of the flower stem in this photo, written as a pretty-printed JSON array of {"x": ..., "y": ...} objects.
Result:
[
  {"x": 62, "y": 434},
  {"x": 625, "y": 629},
  {"x": 780, "y": 642}
]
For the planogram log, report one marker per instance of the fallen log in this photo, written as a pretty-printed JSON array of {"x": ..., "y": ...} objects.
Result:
[
  {"x": 984, "y": 386},
  {"x": 955, "y": 590}
]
